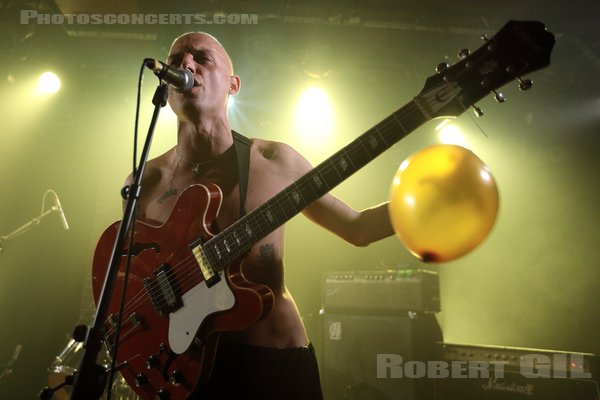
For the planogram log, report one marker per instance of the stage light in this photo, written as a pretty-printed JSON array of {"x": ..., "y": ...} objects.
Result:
[
  {"x": 48, "y": 83},
  {"x": 314, "y": 114},
  {"x": 451, "y": 134}
]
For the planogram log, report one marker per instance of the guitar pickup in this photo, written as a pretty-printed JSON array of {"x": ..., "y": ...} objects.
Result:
[
  {"x": 163, "y": 290},
  {"x": 210, "y": 274}
]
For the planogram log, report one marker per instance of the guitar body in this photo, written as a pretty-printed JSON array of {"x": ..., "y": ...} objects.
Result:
[
  {"x": 185, "y": 284},
  {"x": 171, "y": 319}
]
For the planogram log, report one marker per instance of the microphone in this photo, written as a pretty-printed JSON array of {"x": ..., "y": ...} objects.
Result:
[
  {"x": 182, "y": 80},
  {"x": 59, "y": 208}
]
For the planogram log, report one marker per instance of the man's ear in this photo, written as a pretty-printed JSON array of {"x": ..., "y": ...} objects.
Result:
[{"x": 234, "y": 84}]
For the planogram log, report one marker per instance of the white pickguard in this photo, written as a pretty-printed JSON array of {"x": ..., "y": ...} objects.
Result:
[{"x": 198, "y": 303}]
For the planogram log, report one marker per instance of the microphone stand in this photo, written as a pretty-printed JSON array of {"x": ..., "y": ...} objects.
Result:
[
  {"x": 91, "y": 377},
  {"x": 7, "y": 371},
  {"x": 28, "y": 225}
]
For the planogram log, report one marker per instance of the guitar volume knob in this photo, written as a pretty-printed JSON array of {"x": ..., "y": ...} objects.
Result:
[
  {"x": 163, "y": 394},
  {"x": 141, "y": 380},
  {"x": 152, "y": 362},
  {"x": 176, "y": 378}
]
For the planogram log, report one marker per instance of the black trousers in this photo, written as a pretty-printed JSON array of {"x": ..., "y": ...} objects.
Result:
[{"x": 244, "y": 372}]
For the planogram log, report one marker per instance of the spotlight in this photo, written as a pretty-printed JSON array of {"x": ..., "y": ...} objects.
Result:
[
  {"x": 48, "y": 83},
  {"x": 451, "y": 134},
  {"x": 314, "y": 115}
]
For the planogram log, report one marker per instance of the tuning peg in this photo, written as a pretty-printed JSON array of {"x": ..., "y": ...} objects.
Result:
[
  {"x": 525, "y": 84},
  {"x": 441, "y": 67},
  {"x": 499, "y": 97},
  {"x": 464, "y": 53},
  {"x": 477, "y": 111},
  {"x": 491, "y": 45}
]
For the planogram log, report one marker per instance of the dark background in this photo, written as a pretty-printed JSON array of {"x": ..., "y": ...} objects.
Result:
[{"x": 534, "y": 282}]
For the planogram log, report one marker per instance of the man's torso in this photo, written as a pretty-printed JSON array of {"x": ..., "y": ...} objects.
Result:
[{"x": 169, "y": 175}]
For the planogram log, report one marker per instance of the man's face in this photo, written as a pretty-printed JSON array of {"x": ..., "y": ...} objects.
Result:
[{"x": 206, "y": 59}]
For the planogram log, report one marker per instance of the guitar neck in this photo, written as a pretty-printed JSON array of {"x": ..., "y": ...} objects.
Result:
[
  {"x": 518, "y": 48},
  {"x": 236, "y": 239}
]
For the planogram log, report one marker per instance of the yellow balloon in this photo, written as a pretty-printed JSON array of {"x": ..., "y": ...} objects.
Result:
[{"x": 443, "y": 202}]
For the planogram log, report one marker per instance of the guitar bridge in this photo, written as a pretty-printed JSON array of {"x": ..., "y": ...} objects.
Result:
[{"x": 164, "y": 292}]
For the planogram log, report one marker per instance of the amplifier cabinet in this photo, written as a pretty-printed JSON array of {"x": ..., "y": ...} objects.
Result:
[
  {"x": 357, "y": 349},
  {"x": 382, "y": 291},
  {"x": 510, "y": 373}
]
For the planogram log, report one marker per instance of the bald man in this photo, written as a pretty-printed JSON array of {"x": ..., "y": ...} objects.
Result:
[{"x": 272, "y": 359}]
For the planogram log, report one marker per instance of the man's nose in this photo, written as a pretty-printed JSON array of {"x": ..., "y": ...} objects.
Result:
[{"x": 187, "y": 62}]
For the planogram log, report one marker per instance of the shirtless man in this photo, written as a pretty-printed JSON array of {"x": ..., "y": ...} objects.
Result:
[{"x": 203, "y": 154}]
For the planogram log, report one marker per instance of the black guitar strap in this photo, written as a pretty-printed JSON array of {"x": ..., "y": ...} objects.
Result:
[{"x": 242, "y": 150}]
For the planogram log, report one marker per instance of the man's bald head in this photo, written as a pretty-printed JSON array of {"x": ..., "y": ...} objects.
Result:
[{"x": 189, "y": 39}]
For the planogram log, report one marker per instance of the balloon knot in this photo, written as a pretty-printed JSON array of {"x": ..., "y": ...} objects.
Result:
[{"x": 428, "y": 256}]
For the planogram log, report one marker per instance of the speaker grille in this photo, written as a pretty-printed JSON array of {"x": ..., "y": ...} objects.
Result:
[{"x": 352, "y": 342}]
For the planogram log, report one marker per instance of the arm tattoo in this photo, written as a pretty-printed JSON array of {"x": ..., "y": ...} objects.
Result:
[
  {"x": 268, "y": 272},
  {"x": 266, "y": 256},
  {"x": 166, "y": 195}
]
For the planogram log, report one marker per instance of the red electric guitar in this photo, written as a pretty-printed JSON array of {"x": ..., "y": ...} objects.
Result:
[{"x": 185, "y": 284}]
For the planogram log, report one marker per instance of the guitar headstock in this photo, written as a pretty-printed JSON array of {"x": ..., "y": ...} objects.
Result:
[{"x": 519, "y": 48}]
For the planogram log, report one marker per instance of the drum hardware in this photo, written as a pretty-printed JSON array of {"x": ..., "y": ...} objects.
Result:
[
  {"x": 62, "y": 372},
  {"x": 47, "y": 393}
]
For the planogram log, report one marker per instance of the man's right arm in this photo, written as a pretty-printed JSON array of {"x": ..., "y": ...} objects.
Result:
[{"x": 359, "y": 228}]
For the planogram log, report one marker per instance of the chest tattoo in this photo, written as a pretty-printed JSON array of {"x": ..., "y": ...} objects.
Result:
[{"x": 166, "y": 195}]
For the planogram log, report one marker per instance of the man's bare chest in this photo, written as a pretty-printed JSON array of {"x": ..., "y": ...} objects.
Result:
[{"x": 159, "y": 203}]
